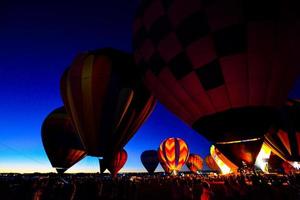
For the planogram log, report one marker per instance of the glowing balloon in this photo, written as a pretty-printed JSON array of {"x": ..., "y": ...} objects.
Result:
[
  {"x": 194, "y": 163},
  {"x": 173, "y": 153},
  {"x": 225, "y": 165},
  {"x": 211, "y": 163}
]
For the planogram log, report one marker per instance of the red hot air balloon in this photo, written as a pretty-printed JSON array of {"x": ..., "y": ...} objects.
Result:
[
  {"x": 223, "y": 67},
  {"x": 61, "y": 141},
  {"x": 116, "y": 164},
  {"x": 173, "y": 153},
  {"x": 107, "y": 102},
  {"x": 194, "y": 163},
  {"x": 150, "y": 160},
  {"x": 211, "y": 163}
]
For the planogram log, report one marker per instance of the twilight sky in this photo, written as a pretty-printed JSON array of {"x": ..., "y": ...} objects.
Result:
[{"x": 38, "y": 41}]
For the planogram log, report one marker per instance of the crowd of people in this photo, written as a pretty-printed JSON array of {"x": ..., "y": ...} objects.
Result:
[{"x": 146, "y": 187}]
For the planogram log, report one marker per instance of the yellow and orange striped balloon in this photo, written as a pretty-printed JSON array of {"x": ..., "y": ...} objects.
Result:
[
  {"x": 173, "y": 153},
  {"x": 194, "y": 163}
]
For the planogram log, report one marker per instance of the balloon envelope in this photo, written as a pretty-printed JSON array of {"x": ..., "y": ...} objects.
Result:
[
  {"x": 211, "y": 163},
  {"x": 285, "y": 139},
  {"x": 240, "y": 152},
  {"x": 116, "y": 164},
  {"x": 173, "y": 153},
  {"x": 194, "y": 163},
  {"x": 224, "y": 164},
  {"x": 223, "y": 67},
  {"x": 106, "y": 99},
  {"x": 150, "y": 160},
  {"x": 61, "y": 141}
]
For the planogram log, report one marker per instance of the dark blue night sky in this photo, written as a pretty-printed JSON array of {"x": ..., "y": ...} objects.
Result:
[{"x": 38, "y": 41}]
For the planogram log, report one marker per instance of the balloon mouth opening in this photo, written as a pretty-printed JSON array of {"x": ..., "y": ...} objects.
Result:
[
  {"x": 60, "y": 170},
  {"x": 237, "y": 124}
]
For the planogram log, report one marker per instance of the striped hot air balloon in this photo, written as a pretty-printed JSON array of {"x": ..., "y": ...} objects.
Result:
[
  {"x": 61, "y": 141},
  {"x": 222, "y": 66},
  {"x": 173, "y": 153},
  {"x": 194, "y": 163},
  {"x": 106, "y": 99},
  {"x": 285, "y": 139},
  {"x": 117, "y": 162}
]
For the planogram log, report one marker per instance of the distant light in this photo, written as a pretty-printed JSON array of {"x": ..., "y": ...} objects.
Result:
[
  {"x": 296, "y": 165},
  {"x": 239, "y": 141}
]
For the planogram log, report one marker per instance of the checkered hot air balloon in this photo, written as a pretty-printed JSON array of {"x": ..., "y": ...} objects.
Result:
[
  {"x": 172, "y": 154},
  {"x": 61, "y": 141},
  {"x": 194, "y": 163},
  {"x": 222, "y": 66}
]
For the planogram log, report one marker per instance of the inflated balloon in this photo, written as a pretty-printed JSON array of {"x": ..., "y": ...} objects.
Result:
[
  {"x": 194, "y": 163},
  {"x": 106, "y": 99},
  {"x": 173, "y": 153},
  {"x": 150, "y": 160},
  {"x": 225, "y": 165},
  {"x": 211, "y": 163},
  {"x": 240, "y": 152},
  {"x": 163, "y": 165},
  {"x": 116, "y": 164},
  {"x": 222, "y": 66},
  {"x": 61, "y": 141},
  {"x": 285, "y": 140}
]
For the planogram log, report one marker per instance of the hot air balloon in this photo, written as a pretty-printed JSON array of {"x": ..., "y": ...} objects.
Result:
[
  {"x": 263, "y": 157},
  {"x": 150, "y": 160},
  {"x": 211, "y": 163},
  {"x": 106, "y": 99},
  {"x": 173, "y": 153},
  {"x": 116, "y": 164},
  {"x": 194, "y": 163},
  {"x": 61, "y": 141},
  {"x": 285, "y": 139},
  {"x": 241, "y": 151},
  {"x": 223, "y": 67},
  {"x": 225, "y": 165}
]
